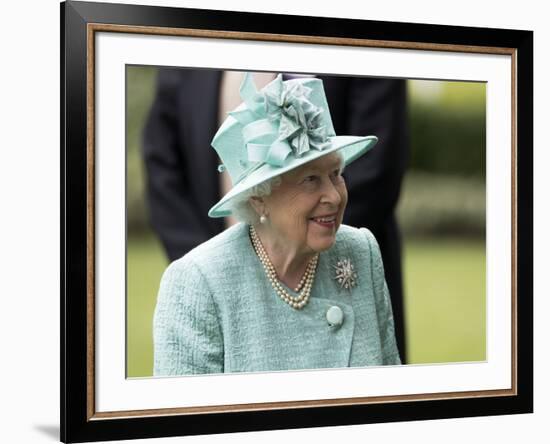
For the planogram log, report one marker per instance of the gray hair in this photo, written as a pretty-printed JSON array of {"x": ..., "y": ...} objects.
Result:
[{"x": 242, "y": 209}]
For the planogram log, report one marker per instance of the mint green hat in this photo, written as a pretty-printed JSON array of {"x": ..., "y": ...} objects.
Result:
[{"x": 275, "y": 130}]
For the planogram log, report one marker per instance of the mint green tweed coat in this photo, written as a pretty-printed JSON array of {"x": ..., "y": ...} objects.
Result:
[{"x": 216, "y": 311}]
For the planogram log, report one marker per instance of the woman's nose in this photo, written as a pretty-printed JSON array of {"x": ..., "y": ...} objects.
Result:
[{"x": 330, "y": 193}]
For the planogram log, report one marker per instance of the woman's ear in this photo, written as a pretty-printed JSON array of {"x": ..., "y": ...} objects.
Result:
[{"x": 258, "y": 204}]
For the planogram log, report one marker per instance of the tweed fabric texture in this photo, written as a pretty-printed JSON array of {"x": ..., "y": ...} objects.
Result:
[{"x": 216, "y": 311}]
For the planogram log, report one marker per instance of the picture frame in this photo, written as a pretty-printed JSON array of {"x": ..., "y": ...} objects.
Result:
[{"x": 81, "y": 23}]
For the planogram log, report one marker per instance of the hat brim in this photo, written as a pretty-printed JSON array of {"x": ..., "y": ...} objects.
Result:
[{"x": 352, "y": 148}]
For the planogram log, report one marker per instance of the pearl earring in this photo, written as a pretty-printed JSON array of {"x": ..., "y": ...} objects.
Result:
[{"x": 263, "y": 218}]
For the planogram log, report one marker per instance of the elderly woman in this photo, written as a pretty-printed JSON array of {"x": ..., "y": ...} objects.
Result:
[{"x": 289, "y": 287}]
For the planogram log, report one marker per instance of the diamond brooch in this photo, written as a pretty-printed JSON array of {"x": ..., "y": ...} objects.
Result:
[{"x": 345, "y": 274}]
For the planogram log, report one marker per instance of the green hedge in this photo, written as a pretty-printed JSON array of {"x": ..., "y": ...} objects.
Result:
[{"x": 448, "y": 133}]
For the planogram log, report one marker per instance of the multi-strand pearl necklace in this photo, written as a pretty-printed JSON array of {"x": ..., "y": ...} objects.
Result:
[{"x": 304, "y": 287}]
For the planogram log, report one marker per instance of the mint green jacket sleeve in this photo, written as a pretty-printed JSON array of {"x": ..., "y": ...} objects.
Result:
[{"x": 187, "y": 333}]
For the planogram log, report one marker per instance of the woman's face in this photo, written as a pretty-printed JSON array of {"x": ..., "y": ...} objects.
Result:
[{"x": 307, "y": 208}]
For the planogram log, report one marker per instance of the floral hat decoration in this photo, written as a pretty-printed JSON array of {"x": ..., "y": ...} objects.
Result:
[{"x": 277, "y": 129}]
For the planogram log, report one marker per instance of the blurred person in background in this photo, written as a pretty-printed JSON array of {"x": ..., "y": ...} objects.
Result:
[{"x": 183, "y": 181}]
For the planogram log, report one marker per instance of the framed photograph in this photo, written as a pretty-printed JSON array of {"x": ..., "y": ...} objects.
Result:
[{"x": 446, "y": 193}]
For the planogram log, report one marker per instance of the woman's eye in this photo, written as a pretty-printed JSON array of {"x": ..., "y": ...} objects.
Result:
[{"x": 310, "y": 179}]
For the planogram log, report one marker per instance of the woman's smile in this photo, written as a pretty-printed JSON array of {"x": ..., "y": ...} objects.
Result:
[{"x": 327, "y": 221}]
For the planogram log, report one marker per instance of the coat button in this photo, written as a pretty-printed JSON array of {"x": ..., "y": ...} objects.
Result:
[{"x": 335, "y": 316}]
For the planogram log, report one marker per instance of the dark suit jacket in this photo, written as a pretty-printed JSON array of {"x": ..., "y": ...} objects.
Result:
[{"x": 183, "y": 182}]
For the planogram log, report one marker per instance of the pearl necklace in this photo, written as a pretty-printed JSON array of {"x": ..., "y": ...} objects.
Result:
[{"x": 297, "y": 302}]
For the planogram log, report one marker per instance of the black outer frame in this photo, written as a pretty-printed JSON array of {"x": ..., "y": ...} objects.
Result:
[{"x": 74, "y": 424}]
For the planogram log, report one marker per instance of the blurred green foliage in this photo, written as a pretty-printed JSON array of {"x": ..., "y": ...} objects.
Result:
[{"x": 447, "y": 121}]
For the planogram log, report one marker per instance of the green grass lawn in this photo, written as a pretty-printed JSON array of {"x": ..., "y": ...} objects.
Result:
[
  {"x": 444, "y": 289},
  {"x": 445, "y": 300},
  {"x": 146, "y": 263}
]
